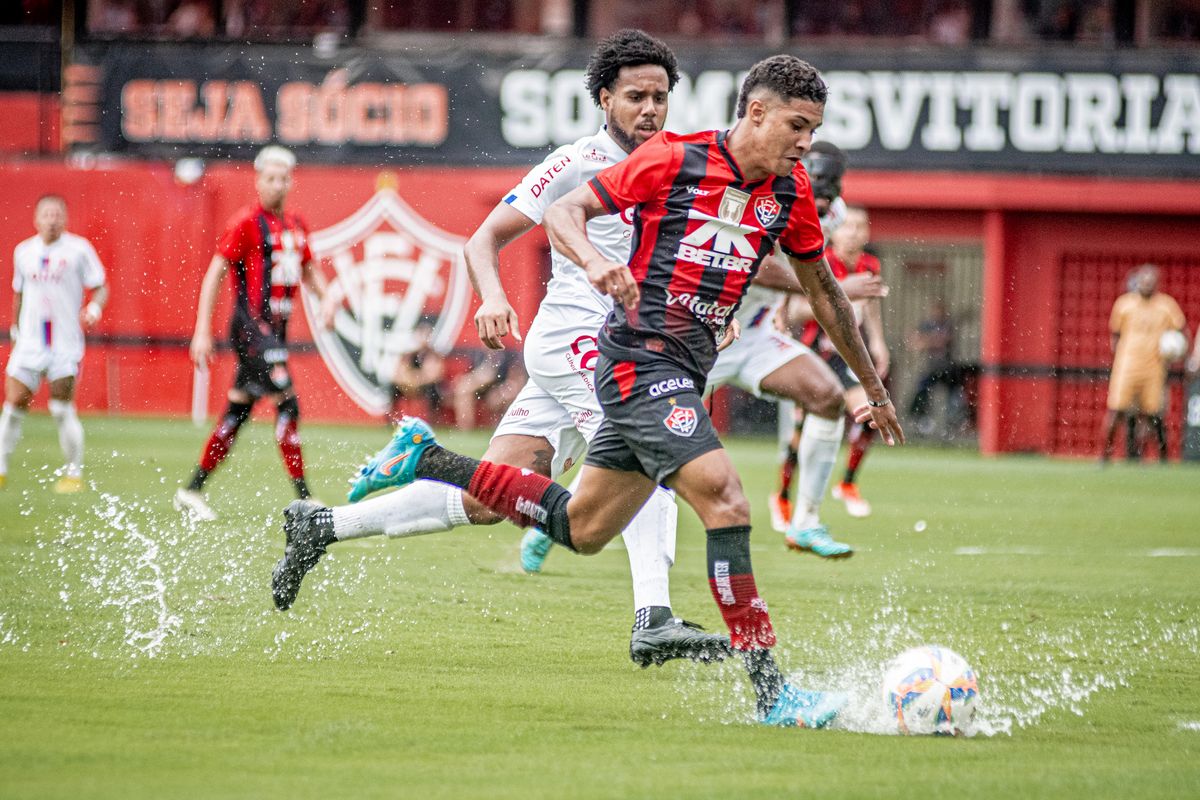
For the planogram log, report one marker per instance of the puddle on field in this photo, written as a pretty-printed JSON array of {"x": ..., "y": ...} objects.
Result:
[
  {"x": 1026, "y": 667},
  {"x": 132, "y": 579}
]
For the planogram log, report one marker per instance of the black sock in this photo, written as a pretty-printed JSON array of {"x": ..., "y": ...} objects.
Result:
[
  {"x": 651, "y": 617},
  {"x": 301, "y": 487},
  {"x": 439, "y": 464},
  {"x": 558, "y": 523},
  {"x": 765, "y": 677},
  {"x": 1160, "y": 432},
  {"x": 1133, "y": 450},
  {"x": 198, "y": 479}
]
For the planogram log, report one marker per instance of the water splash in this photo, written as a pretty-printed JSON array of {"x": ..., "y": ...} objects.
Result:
[{"x": 1028, "y": 667}]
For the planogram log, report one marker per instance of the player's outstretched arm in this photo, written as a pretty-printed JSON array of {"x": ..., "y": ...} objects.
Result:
[
  {"x": 566, "y": 226},
  {"x": 833, "y": 311},
  {"x": 202, "y": 343},
  {"x": 495, "y": 318}
]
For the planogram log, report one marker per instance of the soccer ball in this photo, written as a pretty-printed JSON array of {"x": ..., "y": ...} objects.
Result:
[
  {"x": 931, "y": 689},
  {"x": 1172, "y": 345}
]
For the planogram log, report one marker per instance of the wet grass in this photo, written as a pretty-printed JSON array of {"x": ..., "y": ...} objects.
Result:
[{"x": 141, "y": 657}]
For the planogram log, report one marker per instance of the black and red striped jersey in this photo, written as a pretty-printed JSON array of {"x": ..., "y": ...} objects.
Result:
[
  {"x": 700, "y": 232},
  {"x": 813, "y": 335},
  {"x": 266, "y": 253}
]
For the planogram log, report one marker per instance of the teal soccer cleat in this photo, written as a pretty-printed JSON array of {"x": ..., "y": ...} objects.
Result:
[
  {"x": 817, "y": 540},
  {"x": 535, "y": 546},
  {"x": 801, "y": 708},
  {"x": 396, "y": 463}
]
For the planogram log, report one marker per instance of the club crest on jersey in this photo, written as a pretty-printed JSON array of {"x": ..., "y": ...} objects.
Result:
[
  {"x": 733, "y": 205},
  {"x": 389, "y": 267},
  {"x": 767, "y": 209},
  {"x": 681, "y": 421}
]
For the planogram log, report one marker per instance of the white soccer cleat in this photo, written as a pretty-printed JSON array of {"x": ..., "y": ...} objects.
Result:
[
  {"x": 781, "y": 512},
  {"x": 856, "y": 506},
  {"x": 193, "y": 504}
]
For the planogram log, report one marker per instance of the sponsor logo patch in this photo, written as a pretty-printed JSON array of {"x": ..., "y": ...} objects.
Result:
[
  {"x": 671, "y": 385},
  {"x": 721, "y": 579},
  {"x": 682, "y": 420}
]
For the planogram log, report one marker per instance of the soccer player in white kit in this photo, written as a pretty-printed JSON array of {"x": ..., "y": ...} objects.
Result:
[
  {"x": 51, "y": 272},
  {"x": 550, "y": 423}
]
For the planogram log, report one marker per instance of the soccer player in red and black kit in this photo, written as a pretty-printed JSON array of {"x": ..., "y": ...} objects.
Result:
[
  {"x": 846, "y": 257},
  {"x": 267, "y": 249},
  {"x": 708, "y": 208}
]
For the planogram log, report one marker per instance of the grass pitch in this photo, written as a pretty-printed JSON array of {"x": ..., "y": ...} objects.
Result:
[{"x": 141, "y": 656}]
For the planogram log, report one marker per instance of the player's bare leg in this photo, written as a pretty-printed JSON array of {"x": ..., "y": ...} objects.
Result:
[
  {"x": 861, "y": 437},
  {"x": 605, "y": 503},
  {"x": 17, "y": 397},
  {"x": 70, "y": 434},
  {"x": 429, "y": 506},
  {"x": 710, "y": 484},
  {"x": 809, "y": 382}
]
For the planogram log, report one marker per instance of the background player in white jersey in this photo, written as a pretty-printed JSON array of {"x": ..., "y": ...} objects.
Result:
[
  {"x": 51, "y": 272},
  {"x": 768, "y": 361},
  {"x": 550, "y": 423}
]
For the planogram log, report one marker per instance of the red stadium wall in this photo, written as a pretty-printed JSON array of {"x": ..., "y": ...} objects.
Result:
[
  {"x": 1056, "y": 251},
  {"x": 156, "y": 238},
  {"x": 1056, "y": 254}
]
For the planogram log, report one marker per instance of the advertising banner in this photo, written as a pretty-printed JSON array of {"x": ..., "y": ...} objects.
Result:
[{"x": 452, "y": 103}]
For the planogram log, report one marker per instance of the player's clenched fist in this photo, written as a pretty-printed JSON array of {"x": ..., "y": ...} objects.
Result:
[
  {"x": 494, "y": 320},
  {"x": 614, "y": 280}
]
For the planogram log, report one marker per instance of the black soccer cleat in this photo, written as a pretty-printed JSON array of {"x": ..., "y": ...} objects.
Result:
[
  {"x": 677, "y": 638},
  {"x": 307, "y": 538}
]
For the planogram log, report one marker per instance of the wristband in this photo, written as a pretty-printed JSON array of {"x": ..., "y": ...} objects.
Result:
[
  {"x": 887, "y": 398},
  {"x": 95, "y": 310}
]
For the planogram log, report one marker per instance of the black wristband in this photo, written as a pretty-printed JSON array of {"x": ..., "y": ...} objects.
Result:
[{"x": 887, "y": 399}]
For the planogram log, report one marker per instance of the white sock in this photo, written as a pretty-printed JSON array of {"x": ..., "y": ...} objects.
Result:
[
  {"x": 650, "y": 540},
  {"x": 70, "y": 435},
  {"x": 785, "y": 424},
  {"x": 10, "y": 433},
  {"x": 819, "y": 443},
  {"x": 414, "y": 510}
]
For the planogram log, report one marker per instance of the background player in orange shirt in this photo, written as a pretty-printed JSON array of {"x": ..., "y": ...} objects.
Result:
[{"x": 1139, "y": 371}]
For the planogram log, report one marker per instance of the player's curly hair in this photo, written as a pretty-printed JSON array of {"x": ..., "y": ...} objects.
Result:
[
  {"x": 786, "y": 76},
  {"x": 627, "y": 48}
]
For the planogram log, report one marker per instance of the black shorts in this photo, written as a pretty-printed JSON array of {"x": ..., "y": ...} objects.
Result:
[
  {"x": 840, "y": 368},
  {"x": 654, "y": 418},
  {"x": 262, "y": 364}
]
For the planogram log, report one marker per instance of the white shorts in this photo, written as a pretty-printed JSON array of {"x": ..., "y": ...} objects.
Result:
[
  {"x": 558, "y": 403},
  {"x": 28, "y": 367},
  {"x": 759, "y": 352}
]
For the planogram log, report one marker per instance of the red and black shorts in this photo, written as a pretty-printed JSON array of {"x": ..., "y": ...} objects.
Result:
[
  {"x": 654, "y": 418},
  {"x": 262, "y": 363}
]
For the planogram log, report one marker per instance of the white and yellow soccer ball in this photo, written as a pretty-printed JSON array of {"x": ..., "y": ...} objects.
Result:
[
  {"x": 931, "y": 690},
  {"x": 1172, "y": 345}
]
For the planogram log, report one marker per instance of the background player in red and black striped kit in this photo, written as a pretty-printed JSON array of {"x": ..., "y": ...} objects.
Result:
[
  {"x": 708, "y": 208},
  {"x": 265, "y": 250}
]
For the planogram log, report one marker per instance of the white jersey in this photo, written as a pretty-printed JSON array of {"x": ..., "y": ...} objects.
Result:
[
  {"x": 51, "y": 279},
  {"x": 567, "y": 168},
  {"x": 760, "y": 304}
]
